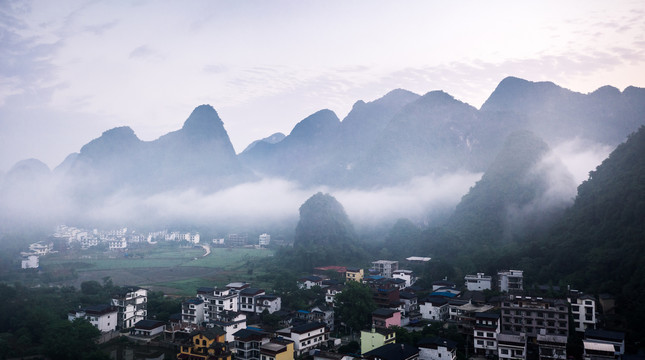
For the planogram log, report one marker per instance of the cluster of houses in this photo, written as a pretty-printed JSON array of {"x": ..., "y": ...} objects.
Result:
[
  {"x": 31, "y": 259},
  {"x": 120, "y": 238},
  {"x": 226, "y": 322}
]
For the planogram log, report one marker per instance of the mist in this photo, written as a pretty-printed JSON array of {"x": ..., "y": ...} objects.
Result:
[{"x": 274, "y": 202}]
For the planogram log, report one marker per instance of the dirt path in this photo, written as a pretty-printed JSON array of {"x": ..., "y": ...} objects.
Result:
[{"x": 207, "y": 248}]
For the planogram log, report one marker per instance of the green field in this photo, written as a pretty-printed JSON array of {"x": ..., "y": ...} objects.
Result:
[{"x": 174, "y": 270}]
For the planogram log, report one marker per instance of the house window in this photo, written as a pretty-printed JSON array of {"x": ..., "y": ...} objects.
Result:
[{"x": 504, "y": 351}]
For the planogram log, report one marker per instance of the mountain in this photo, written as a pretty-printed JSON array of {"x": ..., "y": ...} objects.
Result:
[
  {"x": 433, "y": 134},
  {"x": 272, "y": 139},
  {"x": 299, "y": 155},
  {"x": 324, "y": 234},
  {"x": 556, "y": 114},
  {"x": 199, "y": 156},
  {"x": 524, "y": 187}
]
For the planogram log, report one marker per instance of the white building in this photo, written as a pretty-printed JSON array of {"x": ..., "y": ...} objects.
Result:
[
  {"x": 306, "y": 337},
  {"x": 132, "y": 305},
  {"x": 600, "y": 339},
  {"x": 247, "y": 301},
  {"x": 485, "y": 332},
  {"x": 583, "y": 310},
  {"x": 510, "y": 280},
  {"x": 264, "y": 239},
  {"x": 103, "y": 317},
  {"x": 192, "y": 311},
  {"x": 29, "y": 262},
  {"x": 437, "y": 349},
  {"x": 385, "y": 267},
  {"x": 217, "y": 301},
  {"x": 406, "y": 275},
  {"x": 271, "y": 303},
  {"x": 434, "y": 308},
  {"x": 117, "y": 244},
  {"x": 231, "y": 322},
  {"x": 148, "y": 328},
  {"x": 479, "y": 282}
]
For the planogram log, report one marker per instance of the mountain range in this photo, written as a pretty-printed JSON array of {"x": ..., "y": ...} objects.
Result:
[{"x": 385, "y": 142}]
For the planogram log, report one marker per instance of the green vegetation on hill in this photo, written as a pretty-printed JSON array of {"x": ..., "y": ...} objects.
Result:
[{"x": 324, "y": 234}]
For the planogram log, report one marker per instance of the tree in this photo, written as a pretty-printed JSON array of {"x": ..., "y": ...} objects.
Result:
[{"x": 354, "y": 305}]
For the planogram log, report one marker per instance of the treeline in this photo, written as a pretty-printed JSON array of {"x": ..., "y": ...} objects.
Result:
[{"x": 33, "y": 321}]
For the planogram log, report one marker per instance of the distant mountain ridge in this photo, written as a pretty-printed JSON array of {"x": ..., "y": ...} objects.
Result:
[
  {"x": 199, "y": 155},
  {"x": 385, "y": 142}
]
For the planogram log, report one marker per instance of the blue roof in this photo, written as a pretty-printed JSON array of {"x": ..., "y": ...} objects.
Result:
[{"x": 444, "y": 294}]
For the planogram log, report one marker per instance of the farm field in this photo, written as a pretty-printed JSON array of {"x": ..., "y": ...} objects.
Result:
[{"x": 175, "y": 271}]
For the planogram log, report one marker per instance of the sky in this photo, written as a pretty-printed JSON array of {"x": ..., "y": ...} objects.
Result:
[{"x": 70, "y": 70}]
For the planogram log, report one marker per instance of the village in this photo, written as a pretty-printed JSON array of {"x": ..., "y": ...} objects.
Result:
[{"x": 493, "y": 314}]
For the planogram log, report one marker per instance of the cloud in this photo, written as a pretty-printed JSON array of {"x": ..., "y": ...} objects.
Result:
[{"x": 581, "y": 156}]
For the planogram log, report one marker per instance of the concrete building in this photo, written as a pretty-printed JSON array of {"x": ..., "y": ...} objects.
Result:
[
  {"x": 217, "y": 301},
  {"x": 132, "y": 303},
  {"x": 479, "y": 282},
  {"x": 306, "y": 337},
  {"x": 530, "y": 315},
  {"x": 103, "y": 317},
  {"x": 583, "y": 311},
  {"x": 264, "y": 240},
  {"x": 385, "y": 267},
  {"x": 437, "y": 349},
  {"x": 375, "y": 338},
  {"x": 192, "y": 311},
  {"x": 552, "y": 347},
  {"x": 511, "y": 346},
  {"x": 485, "y": 332},
  {"x": 29, "y": 262},
  {"x": 597, "y": 338},
  {"x": 354, "y": 274},
  {"x": 510, "y": 280},
  {"x": 277, "y": 349},
  {"x": 406, "y": 275}
]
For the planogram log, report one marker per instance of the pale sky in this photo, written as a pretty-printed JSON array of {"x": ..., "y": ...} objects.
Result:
[{"x": 70, "y": 70}]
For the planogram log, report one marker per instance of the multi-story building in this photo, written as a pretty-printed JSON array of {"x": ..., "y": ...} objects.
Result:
[
  {"x": 306, "y": 337},
  {"x": 510, "y": 280},
  {"x": 103, "y": 317},
  {"x": 511, "y": 346},
  {"x": 552, "y": 347},
  {"x": 485, "y": 332},
  {"x": 131, "y": 303},
  {"x": 583, "y": 311},
  {"x": 598, "y": 339},
  {"x": 375, "y": 338},
  {"x": 270, "y": 303},
  {"x": 206, "y": 345},
  {"x": 192, "y": 311},
  {"x": 331, "y": 292},
  {"x": 229, "y": 321},
  {"x": 409, "y": 306},
  {"x": 354, "y": 274},
  {"x": 29, "y": 262},
  {"x": 277, "y": 349},
  {"x": 434, "y": 308},
  {"x": 384, "y": 318},
  {"x": 437, "y": 349},
  {"x": 393, "y": 352},
  {"x": 217, "y": 300},
  {"x": 524, "y": 314},
  {"x": 406, "y": 275},
  {"x": 479, "y": 282},
  {"x": 385, "y": 267},
  {"x": 248, "y": 342},
  {"x": 248, "y": 299},
  {"x": 264, "y": 240}
]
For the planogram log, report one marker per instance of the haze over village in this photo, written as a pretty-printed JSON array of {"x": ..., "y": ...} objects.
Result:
[{"x": 322, "y": 180}]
